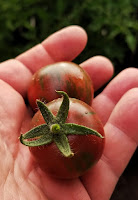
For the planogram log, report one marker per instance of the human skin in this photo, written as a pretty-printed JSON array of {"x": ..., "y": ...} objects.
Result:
[{"x": 116, "y": 105}]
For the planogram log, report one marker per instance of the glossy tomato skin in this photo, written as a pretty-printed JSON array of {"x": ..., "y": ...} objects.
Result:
[
  {"x": 87, "y": 149},
  {"x": 62, "y": 76}
]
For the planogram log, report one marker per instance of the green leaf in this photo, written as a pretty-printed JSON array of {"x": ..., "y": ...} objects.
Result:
[
  {"x": 75, "y": 129},
  {"x": 38, "y": 142},
  {"x": 131, "y": 42},
  {"x": 63, "y": 145},
  {"x": 36, "y": 131},
  {"x": 47, "y": 115},
  {"x": 64, "y": 108},
  {"x": 41, "y": 135}
]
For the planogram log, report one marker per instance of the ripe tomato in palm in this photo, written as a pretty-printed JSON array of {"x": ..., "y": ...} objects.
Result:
[
  {"x": 86, "y": 149},
  {"x": 63, "y": 76}
]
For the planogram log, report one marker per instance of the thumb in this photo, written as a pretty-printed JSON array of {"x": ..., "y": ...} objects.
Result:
[{"x": 12, "y": 110}]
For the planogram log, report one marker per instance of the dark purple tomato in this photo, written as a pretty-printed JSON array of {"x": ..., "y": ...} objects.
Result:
[
  {"x": 87, "y": 149},
  {"x": 62, "y": 76}
]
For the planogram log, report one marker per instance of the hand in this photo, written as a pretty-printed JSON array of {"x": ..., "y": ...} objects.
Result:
[{"x": 117, "y": 107}]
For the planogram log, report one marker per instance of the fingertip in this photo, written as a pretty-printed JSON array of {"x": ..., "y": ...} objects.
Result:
[
  {"x": 106, "y": 62},
  {"x": 63, "y": 45},
  {"x": 66, "y": 44},
  {"x": 72, "y": 28},
  {"x": 100, "y": 70},
  {"x": 124, "y": 81},
  {"x": 99, "y": 62}
]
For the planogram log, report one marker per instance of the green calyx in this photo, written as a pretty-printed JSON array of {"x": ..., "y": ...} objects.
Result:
[{"x": 55, "y": 129}]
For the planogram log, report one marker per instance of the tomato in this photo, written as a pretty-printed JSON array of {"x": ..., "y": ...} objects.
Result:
[
  {"x": 87, "y": 148},
  {"x": 64, "y": 76}
]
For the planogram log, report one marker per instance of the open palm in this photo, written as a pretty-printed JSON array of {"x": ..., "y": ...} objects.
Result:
[{"x": 117, "y": 106}]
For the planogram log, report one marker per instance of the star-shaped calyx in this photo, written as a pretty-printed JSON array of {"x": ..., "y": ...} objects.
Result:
[{"x": 55, "y": 129}]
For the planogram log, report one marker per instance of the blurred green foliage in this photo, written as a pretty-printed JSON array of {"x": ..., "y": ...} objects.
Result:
[{"x": 112, "y": 26}]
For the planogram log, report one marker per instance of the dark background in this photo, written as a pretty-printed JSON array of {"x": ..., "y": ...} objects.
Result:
[
  {"x": 112, "y": 28},
  {"x": 127, "y": 187}
]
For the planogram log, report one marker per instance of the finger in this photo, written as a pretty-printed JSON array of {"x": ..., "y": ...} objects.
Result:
[
  {"x": 63, "y": 189},
  {"x": 18, "y": 76},
  {"x": 100, "y": 69},
  {"x": 15, "y": 74},
  {"x": 121, "y": 142},
  {"x": 64, "y": 45},
  {"x": 122, "y": 131},
  {"x": 106, "y": 101}
]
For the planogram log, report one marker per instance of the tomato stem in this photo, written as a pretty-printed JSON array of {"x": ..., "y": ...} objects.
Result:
[{"x": 55, "y": 128}]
